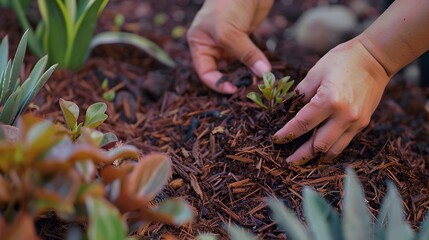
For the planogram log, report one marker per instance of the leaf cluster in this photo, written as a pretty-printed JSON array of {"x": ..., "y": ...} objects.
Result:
[
  {"x": 324, "y": 223},
  {"x": 44, "y": 170},
  {"x": 273, "y": 92},
  {"x": 15, "y": 97},
  {"x": 66, "y": 31}
]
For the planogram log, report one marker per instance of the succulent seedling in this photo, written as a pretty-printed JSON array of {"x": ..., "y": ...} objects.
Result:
[{"x": 273, "y": 92}]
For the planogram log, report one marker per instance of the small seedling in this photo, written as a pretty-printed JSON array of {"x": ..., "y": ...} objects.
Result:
[
  {"x": 94, "y": 117},
  {"x": 273, "y": 92},
  {"x": 108, "y": 94}
]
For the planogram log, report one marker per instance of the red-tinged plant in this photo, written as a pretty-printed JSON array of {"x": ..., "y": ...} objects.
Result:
[{"x": 45, "y": 170}]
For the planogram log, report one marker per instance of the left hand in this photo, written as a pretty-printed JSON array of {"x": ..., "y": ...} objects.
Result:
[{"x": 342, "y": 90}]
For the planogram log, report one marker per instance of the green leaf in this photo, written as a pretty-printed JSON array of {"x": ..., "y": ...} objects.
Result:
[
  {"x": 206, "y": 236},
  {"x": 109, "y": 139},
  {"x": 5, "y": 76},
  {"x": 237, "y": 233},
  {"x": 285, "y": 88},
  {"x": 322, "y": 219},
  {"x": 11, "y": 107},
  {"x": 356, "y": 217},
  {"x": 269, "y": 79},
  {"x": 256, "y": 99},
  {"x": 17, "y": 63},
  {"x": 105, "y": 221},
  {"x": 4, "y": 54},
  {"x": 128, "y": 38},
  {"x": 55, "y": 39},
  {"x": 288, "y": 221},
  {"x": 424, "y": 229},
  {"x": 396, "y": 228},
  {"x": 149, "y": 176},
  {"x": 71, "y": 113},
  {"x": 95, "y": 115},
  {"x": 178, "y": 210},
  {"x": 82, "y": 33}
]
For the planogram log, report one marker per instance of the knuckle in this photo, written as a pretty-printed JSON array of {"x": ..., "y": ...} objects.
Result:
[
  {"x": 302, "y": 125},
  {"x": 247, "y": 55},
  {"x": 320, "y": 147}
]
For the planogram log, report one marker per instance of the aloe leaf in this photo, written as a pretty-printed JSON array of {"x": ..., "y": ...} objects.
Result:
[
  {"x": 256, "y": 99},
  {"x": 5, "y": 76},
  {"x": 71, "y": 113},
  {"x": 237, "y": 233},
  {"x": 4, "y": 54},
  {"x": 128, "y": 38},
  {"x": 322, "y": 219},
  {"x": 356, "y": 218},
  {"x": 424, "y": 229},
  {"x": 55, "y": 39},
  {"x": 288, "y": 221},
  {"x": 82, "y": 34},
  {"x": 11, "y": 107},
  {"x": 396, "y": 228},
  {"x": 30, "y": 93},
  {"x": 178, "y": 210},
  {"x": 105, "y": 221},
  {"x": 95, "y": 115},
  {"x": 17, "y": 63},
  {"x": 71, "y": 12}
]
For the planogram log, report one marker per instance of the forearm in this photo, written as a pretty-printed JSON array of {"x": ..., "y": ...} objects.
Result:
[{"x": 399, "y": 35}]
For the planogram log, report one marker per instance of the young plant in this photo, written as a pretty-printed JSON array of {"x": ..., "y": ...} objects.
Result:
[
  {"x": 66, "y": 30},
  {"x": 274, "y": 93},
  {"x": 14, "y": 97},
  {"x": 94, "y": 117},
  {"x": 44, "y": 171},
  {"x": 324, "y": 223}
]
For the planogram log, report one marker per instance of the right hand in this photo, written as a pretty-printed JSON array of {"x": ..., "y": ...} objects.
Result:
[{"x": 221, "y": 30}]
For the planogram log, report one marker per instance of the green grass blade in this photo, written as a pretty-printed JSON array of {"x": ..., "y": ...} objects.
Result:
[
  {"x": 356, "y": 217},
  {"x": 288, "y": 221},
  {"x": 128, "y": 38},
  {"x": 82, "y": 35}
]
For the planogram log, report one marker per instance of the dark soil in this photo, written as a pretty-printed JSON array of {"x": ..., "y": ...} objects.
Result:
[{"x": 225, "y": 164}]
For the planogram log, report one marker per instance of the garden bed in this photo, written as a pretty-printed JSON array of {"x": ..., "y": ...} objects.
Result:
[{"x": 224, "y": 163}]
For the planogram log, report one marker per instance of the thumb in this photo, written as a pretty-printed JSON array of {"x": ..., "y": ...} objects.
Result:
[{"x": 246, "y": 51}]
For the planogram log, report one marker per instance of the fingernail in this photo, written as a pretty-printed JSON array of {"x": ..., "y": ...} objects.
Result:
[
  {"x": 229, "y": 88},
  {"x": 260, "y": 67},
  {"x": 282, "y": 140}
]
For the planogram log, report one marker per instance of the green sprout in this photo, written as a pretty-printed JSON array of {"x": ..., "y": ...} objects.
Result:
[
  {"x": 273, "y": 92},
  {"x": 94, "y": 117}
]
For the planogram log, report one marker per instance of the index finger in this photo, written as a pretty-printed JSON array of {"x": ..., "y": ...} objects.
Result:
[{"x": 306, "y": 119}]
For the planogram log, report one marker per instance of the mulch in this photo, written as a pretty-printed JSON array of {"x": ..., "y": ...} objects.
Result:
[{"x": 225, "y": 163}]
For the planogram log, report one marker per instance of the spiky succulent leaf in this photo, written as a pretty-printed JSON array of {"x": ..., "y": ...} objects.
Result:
[
  {"x": 237, "y": 233},
  {"x": 322, "y": 219},
  {"x": 288, "y": 221},
  {"x": 356, "y": 217}
]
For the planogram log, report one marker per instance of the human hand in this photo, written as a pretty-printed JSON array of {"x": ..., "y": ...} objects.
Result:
[
  {"x": 342, "y": 90},
  {"x": 221, "y": 30}
]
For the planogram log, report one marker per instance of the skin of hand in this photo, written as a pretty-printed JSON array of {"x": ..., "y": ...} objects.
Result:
[
  {"x": 345, "y": 86},
  {"x": 220, "y": 30}
]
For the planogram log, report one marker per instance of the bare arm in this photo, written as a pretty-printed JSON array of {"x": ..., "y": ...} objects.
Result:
[{"x": 399, "y": 35}]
